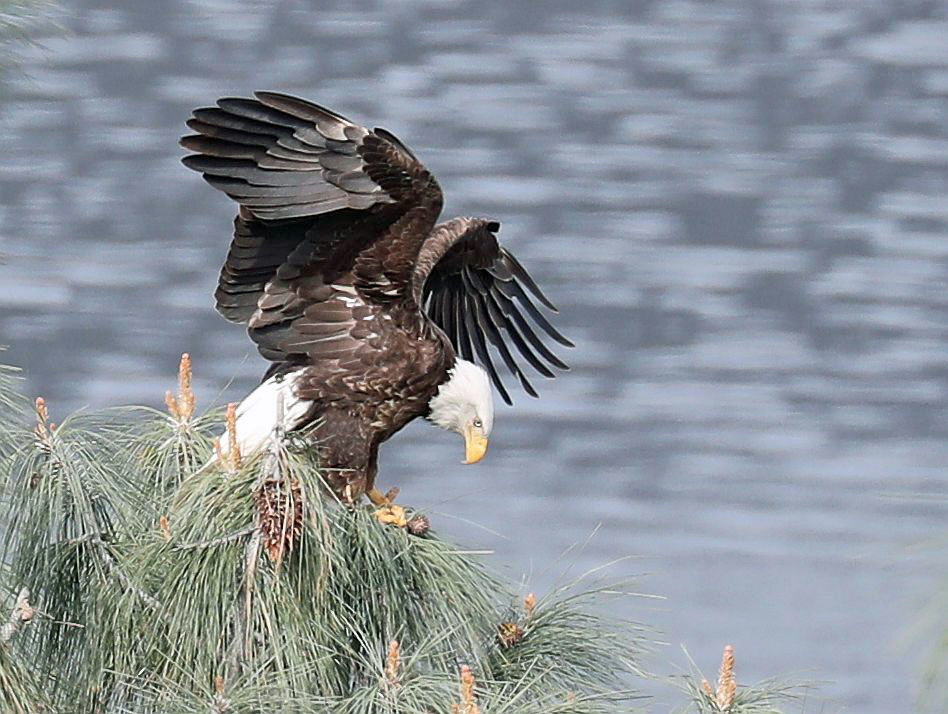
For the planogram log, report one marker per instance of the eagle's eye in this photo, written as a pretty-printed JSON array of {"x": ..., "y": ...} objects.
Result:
[{"x": 477, "y": 423}]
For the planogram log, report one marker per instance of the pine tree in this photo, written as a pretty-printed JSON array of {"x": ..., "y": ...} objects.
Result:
[{"x": 156, "y": 585}]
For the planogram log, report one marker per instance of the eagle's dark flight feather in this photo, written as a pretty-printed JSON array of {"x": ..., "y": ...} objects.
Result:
[{"x": 469, "y": 282}]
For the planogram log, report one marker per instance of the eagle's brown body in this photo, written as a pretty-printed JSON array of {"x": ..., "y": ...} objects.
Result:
[
  {"x": 345, "y": 280},
  {"x": 371, "y": 360}
]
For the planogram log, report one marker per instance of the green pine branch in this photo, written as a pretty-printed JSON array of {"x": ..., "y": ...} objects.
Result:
[
  {"x": 725, "y": 696},
  {"x": 162, "y": 586},
  {"x": 20, "y": 23},
  {"x": 141, "y": 580}
]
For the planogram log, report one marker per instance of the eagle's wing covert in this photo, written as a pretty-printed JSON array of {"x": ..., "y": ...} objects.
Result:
[
  {"x": 480, "y": 295},
  {"x": 310, "y": 311}
]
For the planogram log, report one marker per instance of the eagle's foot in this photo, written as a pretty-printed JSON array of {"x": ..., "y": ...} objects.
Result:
[
  {"x": 392, "y": 514},
  {"x": 388, "y": 512},
  {"x": 382, "y": 499}
]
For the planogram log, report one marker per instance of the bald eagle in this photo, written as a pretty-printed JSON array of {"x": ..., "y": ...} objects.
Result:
[{"x": 371, "y": 312}]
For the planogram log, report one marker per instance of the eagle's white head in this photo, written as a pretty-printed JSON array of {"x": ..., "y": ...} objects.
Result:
[{"x": 465, "y": 404}]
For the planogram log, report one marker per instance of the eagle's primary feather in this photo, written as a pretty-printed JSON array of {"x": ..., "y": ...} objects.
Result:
[{"x": 350, "y": 287}]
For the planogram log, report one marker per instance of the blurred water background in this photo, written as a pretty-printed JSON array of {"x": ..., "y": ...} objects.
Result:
[{"x": 739, "y": 206}]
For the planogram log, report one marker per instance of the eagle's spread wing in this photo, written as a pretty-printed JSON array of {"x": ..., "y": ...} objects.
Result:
[
  {"x": 283, "y": 157},
  {"x": 332, "y": 216},
  {"x": 477, "y": 292}
]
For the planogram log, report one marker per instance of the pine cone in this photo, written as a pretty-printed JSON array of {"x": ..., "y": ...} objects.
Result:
[
  {"x": 418, "y": 525},
  {"x": 281, "y": 517}
]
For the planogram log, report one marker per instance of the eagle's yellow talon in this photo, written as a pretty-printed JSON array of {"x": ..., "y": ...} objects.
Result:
[{"x": 391, "y": 514}]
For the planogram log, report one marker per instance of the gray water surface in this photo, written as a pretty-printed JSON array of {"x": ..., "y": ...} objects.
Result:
[{"x": 740, "y": 208}]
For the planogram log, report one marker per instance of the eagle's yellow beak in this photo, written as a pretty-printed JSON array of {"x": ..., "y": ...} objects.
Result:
[{"x": 475, "y": 444}]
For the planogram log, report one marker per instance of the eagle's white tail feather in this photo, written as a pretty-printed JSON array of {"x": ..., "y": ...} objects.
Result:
[{"x": 257, "y": 415}]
